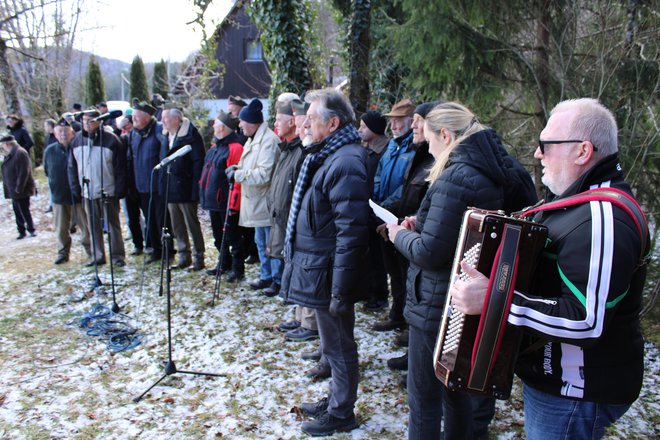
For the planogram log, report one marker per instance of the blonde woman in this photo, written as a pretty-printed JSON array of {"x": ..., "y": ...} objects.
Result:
[{"x": 471, "y": 169}]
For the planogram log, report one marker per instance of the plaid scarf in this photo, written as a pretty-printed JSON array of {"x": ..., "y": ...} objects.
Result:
[{"x": 348, "y": 134}]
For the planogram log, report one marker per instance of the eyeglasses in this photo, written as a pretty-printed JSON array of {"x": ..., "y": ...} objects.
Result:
[{"x": 542, "y": 144}]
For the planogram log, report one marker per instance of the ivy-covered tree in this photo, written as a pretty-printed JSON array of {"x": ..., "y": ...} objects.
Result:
[
  {"x": 360, "y": 42},
  {"x": 284, "y": 27},
  {"x": 139, "y": 86},
  {"x": 94, "y": 84},
  {"x": 160, "y": 82},
  {"x": 375, "y": 73}
]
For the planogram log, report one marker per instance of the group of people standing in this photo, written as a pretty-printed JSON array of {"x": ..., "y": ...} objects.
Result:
[
  {"x": 305, "y": 189},
  {"x": 580, "y": 315}
]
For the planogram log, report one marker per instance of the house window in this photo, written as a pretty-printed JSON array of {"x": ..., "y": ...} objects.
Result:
[{"x": 253, "y": 51}]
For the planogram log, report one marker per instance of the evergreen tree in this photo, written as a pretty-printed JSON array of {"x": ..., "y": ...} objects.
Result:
[
  {"x": 284, "y": 28},
  {"x": 139, "y": 85},
  {"x": 160, "y": 83},
  {"x": 95, "y": 86}
]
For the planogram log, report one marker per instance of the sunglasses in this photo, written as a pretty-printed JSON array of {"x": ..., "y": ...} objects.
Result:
[{"x": 542, "y": 144}]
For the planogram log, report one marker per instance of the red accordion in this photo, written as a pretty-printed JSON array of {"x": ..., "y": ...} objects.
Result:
[{"x": 477, "y": 353}]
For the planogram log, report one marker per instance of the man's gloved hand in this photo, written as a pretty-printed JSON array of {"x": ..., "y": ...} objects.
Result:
[
  {"x": 230, "y": 171},
  {"x": 339, "y": 307}
]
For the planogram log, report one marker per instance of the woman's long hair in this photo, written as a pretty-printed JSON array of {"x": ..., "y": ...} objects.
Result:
[{"x": 460, "y": 122}]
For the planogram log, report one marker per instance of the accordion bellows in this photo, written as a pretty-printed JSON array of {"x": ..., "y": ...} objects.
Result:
[{"x": 477, "y": 353}]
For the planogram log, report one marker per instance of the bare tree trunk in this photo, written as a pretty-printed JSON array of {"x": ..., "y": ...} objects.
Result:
[
  {"x": 630, "y": 25},
  {"x": 8, "y": 82},
  {"x": 359, "y": 55},
  {"x": 542, "y": 74}
]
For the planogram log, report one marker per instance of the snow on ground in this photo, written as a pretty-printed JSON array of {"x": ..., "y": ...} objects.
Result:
[{"x": 56, "y": 382}]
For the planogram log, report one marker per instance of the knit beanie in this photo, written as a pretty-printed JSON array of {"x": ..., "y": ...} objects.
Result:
[
  {"x": 252, "y": 113},
  {"x": 424, "y": 109},
  {"x": 375, "y": 121}
]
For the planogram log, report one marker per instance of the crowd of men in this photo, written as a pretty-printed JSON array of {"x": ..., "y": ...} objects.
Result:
[{"x": 301, "y": 193}]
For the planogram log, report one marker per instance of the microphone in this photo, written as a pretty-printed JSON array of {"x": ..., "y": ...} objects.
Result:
[
  {"x": 177, "y": 154},
  {"x": 110, "y": 115},
  {"x": 84, "y": 112}
]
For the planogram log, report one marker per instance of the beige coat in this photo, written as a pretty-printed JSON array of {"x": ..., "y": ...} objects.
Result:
[{"x": 255, "y": 169}]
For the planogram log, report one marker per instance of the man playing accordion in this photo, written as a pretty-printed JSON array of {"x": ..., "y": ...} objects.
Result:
[{"x": 581, "y": 361}]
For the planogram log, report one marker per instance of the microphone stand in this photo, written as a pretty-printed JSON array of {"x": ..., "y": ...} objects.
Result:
[
  {"x": 104, "y": 198},
  {"x": 166, "y": 274},
  {"x": 218, "y": 275},
  {"x": 115, "y": 307},
  {"x": 86, "y": 184}
]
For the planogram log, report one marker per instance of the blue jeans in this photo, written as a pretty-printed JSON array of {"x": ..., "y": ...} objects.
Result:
[
  {"x": 271, "y": 268},
  {"x": 550, "y": 417}
]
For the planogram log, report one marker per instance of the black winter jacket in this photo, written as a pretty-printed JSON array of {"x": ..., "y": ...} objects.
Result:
[
  {"x": 145, "y": 147},
  {"x": 280, "y": 192},
  {"x": 213, "y": 184},
  {"x": 56, "y": 159},
  {"x": 416, "y": 185},
  {"x": 21, "y": 135},
  {"x": 17, "y": 178},
  {"x": 479, "y": 174},
  {"x": 584, "y": 304},
  {"x": 184, "y": 172},
  {"x": 332, "y": 237},
  {"x": 131, "y": 190}
]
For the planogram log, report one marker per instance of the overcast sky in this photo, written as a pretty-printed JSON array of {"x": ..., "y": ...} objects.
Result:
[{"x": 153, "y": 29}]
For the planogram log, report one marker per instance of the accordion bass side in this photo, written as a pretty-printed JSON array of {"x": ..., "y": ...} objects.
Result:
[{"x": 477, "y": 353}]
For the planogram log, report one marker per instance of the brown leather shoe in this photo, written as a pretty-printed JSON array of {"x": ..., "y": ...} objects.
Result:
[{"x": 321, "y": 371}]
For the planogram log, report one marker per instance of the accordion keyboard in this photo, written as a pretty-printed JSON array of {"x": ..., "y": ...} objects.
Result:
[{"x": 455, "y": 325}]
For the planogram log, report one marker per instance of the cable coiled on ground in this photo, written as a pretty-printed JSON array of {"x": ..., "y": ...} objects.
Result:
[{"x": 114, "y": 328}]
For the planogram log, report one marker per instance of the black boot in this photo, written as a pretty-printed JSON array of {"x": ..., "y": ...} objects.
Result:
[
  {"x": 315, "y": 409},
  {"x": 398, "y": 363},
  {"x": 328, "y": 424}
]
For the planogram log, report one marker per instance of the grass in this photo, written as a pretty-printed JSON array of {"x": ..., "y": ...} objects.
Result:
[{"x": 84, "y": 391}]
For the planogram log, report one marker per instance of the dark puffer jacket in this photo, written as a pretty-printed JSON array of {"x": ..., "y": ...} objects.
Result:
[
  {"x": 21, "y": 135},
  {"x": 213, "y": 184},
  {"x": 184, "y": 173},
  {"x": 279, "y": 195},
  {"x": 56, "y": 159},
  {"x": 416, "y": 185},
  {"x": 145, "y": 147},
  {"x": 480, "y": 174},
  {"x": 332, "y": 237},
  {"x": 17, "y": 178}
]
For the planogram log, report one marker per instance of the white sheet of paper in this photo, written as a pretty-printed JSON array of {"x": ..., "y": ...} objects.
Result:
[{"x": 383, "y": 213}]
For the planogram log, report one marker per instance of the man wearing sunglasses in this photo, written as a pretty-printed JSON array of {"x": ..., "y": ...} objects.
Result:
[{"x": 582, "y": 358}]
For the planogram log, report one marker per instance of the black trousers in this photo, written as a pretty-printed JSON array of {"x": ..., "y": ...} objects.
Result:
[
  {"x": 155, "y": 215},
  {"x": 397, "y": 267},
  {"x": 22, "y": 215},
  {"x": 379, "y": 290},
  {"x": 133, "y": 213},
  {"x": 233, "y": 254}
]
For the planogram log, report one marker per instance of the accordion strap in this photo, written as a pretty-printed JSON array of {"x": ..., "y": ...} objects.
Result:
[{"x": 613, "y": 195}]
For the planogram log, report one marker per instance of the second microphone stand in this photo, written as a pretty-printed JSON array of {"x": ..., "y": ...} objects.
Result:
[{"x": 170, "y": 366}]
